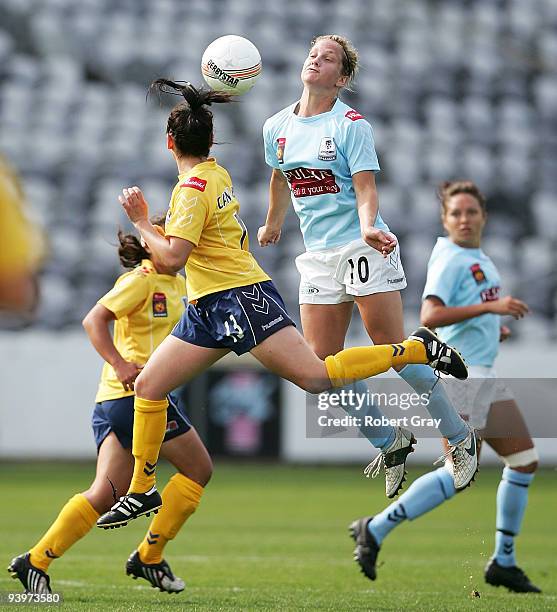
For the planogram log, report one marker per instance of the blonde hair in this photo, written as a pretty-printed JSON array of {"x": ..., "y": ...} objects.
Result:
[{"x": 350, "y": 63}]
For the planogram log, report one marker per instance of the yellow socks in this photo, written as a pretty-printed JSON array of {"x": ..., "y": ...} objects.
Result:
[
  {"x": 365, "y": 361},
  {"x": 180, "y": 499},
  {"x": 149, "y": 426},
  {"x": 75, "y": 520}
]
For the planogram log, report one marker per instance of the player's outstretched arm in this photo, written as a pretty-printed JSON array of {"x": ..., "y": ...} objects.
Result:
[
  {"x": 434, "y": 313},
  {"x": 279, "y": 202}
]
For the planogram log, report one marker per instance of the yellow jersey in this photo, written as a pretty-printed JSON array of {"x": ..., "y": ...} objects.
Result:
[
  {"x": 204, "y": 210},
  {"x": 23, "y": 244},
  {"x": 146, "y": 305}
]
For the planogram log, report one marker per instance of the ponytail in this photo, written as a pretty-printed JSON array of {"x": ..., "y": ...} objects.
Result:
[
  {"x": 190, "y": 123},
  {"x": 131, "y": 251}
]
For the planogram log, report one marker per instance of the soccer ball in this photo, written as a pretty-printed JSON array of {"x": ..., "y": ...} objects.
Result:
[{"x": 232, "y": 64}]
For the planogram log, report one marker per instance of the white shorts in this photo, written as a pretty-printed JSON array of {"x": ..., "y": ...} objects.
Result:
[
  {"x": 354, "y": 269},
  {"x": 472, "y": 398}
]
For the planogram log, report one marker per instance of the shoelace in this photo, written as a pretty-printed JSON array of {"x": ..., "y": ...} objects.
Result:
[
  {"x": 121, "y": 501},
  {"x": 438, "y": 374},
  {"x": 114, "y": 490},
  {"x": 373, "y": 468},
  {"x": 443, "y": 458}
]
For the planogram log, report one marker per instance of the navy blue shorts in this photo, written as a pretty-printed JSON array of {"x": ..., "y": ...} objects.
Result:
[
  {"x": 117, "y": 416},
  {"x": 236, "y": 319}
]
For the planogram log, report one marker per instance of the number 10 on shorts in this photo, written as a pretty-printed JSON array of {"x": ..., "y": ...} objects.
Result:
[{"x": 362, "y": 267}]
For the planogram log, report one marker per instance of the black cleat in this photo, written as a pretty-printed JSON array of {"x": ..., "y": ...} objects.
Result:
[
  {"x": 511, "y": 577},
  {"x": 129, "y": 507},
  {"x": 158, "y": 574},
  {"x": 367, "y": 549},
  {"x": 441, "y": 357},
  {"x": 32, "y": 578}
]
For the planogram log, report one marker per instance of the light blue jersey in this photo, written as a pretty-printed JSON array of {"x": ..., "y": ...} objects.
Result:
[
  {"x": 461, "y": 277},
  {"x": 318, "y": 156}
]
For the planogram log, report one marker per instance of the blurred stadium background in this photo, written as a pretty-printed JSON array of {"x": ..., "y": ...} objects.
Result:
[{"x": 453, "y": 88}]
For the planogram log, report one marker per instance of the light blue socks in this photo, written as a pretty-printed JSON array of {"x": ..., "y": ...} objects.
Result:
[
  {"x": 424, "y": 494},
  {"x": 380, "y": 436},
  {"x": 512, "y": 499},
  {"x": 422, "y": 379},
  {"x": 434, "y": 488}
]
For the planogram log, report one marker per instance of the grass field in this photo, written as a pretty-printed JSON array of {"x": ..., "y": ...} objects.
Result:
[{"x": 270, "y": 537}]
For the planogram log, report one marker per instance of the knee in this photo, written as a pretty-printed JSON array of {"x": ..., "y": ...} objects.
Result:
[
  {"x": 527, "y": 469},
  {"x": 525, "y": 461},
  {"x": 141, "y": 387},
  {"x": 144, "y": 388},
  {"x": 205, "y": 472},
  {"x": 313, "y": 385},
  {"x": 99, "y": 497},
  {"x": 200, "y": 470}
]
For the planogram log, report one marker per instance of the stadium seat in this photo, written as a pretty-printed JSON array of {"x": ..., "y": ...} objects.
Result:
[{"x": 446, "y": 94}]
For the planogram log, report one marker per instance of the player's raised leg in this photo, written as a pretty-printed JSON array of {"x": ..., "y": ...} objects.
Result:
[
  {"x": 173, "y": 363},
  {"x": 288, "y": 354}
]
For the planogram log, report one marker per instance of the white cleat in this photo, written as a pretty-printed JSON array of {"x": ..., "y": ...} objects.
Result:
[
  {"x": 393, "y": 458},
  {"x": 462, "y": 460}
]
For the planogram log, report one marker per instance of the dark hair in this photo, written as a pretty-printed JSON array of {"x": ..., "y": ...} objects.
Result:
[
  {"x": 190, "y": 123},
  {"x": 448, "y": 189},
  {"x": 131, "y": 251}
]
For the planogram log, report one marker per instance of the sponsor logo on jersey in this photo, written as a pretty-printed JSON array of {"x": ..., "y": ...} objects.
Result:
[
  {"x": 281, "y": 143},
  {"x": 159, "y": 305},
  {"x": 327, "y": 149},
  {"x": 311, "y": 182},
  {"x": 353, "y": 115},
  {"x": 194, "y": 183},
  {"x": 491, "y": 294},
  {"x": 394, "y": 281},
  {"x": 477, "y": 273}
]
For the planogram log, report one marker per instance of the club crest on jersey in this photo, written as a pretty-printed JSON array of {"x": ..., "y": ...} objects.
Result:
[
  {"x": 195, "y": 183},
  {"x": 281, "y": 143},
  {"x": 327, "y": 149},
  {"x": 171, "y": 426},
  {"x": 159, "y": 305},
  {"x": 477, "y": 273}
]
